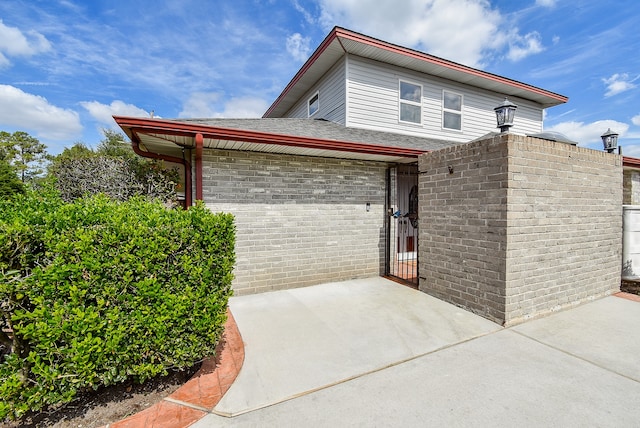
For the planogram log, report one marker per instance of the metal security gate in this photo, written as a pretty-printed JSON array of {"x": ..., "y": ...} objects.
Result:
[{"x": 402, "y": 224}]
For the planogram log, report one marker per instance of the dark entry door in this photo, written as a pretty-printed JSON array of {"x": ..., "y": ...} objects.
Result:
[{"x": 402, "y": 223}]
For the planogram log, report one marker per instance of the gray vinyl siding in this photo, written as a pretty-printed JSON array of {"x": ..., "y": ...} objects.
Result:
[
  {"x": 331, "y": 91},
  {"x": 372, "y": 99}
]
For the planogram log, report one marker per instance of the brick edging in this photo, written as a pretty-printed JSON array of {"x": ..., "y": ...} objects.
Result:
[{"x": 628, "y": 296}]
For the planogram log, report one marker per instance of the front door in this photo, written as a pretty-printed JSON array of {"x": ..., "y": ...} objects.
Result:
[{"x": 402, "y": 223}]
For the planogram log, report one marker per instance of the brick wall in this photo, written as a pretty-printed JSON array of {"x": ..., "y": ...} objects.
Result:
[
  {"x": 631, "y": 180},
  {"x": 462, "y": 232},
  {"x": 521, "y": 227},
  {"x": 565, "y": 226},
  {"x": 300, "y": 220}
]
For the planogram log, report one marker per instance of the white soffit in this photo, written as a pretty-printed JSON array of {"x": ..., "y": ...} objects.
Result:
[{"x": 163, "y": 143}]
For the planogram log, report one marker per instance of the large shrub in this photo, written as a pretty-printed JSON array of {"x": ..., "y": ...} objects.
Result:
[
  {"x": 95, "y": 292},
  {"x": 120, "y": 178},
  {"x": 114, "y": 169}
]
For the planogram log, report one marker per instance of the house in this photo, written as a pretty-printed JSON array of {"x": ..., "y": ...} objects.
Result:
[
  {"x": 362, "y": 82},
  {"x": 325, "y": 186}
]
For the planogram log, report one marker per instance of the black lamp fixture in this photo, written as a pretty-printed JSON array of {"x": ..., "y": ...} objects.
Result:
[
  {"x": 505, "y": 113},
  {"x": 610, "y": 141}
]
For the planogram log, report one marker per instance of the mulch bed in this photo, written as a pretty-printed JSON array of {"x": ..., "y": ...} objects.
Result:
[
  {"x": 106, "y": 405},
  {"x": 632, "y": 287}
]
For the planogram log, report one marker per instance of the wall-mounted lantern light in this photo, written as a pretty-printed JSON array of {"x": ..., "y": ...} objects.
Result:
[
  {"x": 609, "y": 140},
  {"x": 505, "y": 113}
]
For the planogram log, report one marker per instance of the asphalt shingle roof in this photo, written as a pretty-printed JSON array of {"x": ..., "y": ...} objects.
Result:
[{"x": 323, "y": 129}]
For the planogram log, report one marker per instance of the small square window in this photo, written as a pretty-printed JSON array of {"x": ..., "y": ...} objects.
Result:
[
  {"x": 410, "y": 92},
  {"x": 410, "y": 96},
  {"x": 314, "y": 104},
  {"x": 452, "y": 101},
  {"x": 409, "y": 113},
  {"x": 452, "y": 120}
]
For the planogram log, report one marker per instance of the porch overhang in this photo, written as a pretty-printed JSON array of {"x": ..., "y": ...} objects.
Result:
[{"x": 172, "y": 137}]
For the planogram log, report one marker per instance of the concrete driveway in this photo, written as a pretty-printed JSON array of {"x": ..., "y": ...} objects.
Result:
[{"x": 375, "y": 353}]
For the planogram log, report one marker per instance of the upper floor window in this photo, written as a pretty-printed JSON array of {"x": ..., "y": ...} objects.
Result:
[
  {"x": 410, "y": 102},
  {"x": 451, "y": 110},
  {"x": 314, "y": 104}
]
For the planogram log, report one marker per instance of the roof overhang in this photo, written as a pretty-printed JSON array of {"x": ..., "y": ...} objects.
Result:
[
  {"x": 341, "y": 41},
  {"x": 630, "y": 163},
  {"x": 170, "y": 137}
]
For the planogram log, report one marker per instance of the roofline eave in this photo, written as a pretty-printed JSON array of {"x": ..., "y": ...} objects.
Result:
[
  {"x": 135, "y": 125},
  {"x": 338, "y": 32}
]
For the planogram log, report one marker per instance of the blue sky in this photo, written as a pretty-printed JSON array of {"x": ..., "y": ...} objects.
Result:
[{"x": 66, "y": 66}]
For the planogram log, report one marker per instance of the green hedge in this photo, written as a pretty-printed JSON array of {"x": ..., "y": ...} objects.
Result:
[{"x": 98, "y": 292}]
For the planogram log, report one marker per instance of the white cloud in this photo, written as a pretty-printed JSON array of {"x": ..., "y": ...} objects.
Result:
[
  {"x": 208, "y": 104},
  {"x": 523, "y": 46},
  {"x": 34, "y": 114},
  {"x": 586, "y": 133},
  {"x": 466, "y": 31},
  {"x": 14, "y": 42},
  {"x": 546, "y": 3},
  {"x": 103, "y": 112},
  {"x": 618, "y": 83},
  {"x": 298, "y": 47},
  {"x": 636, "y": 119},
  {"x": 307, "y": 16},
  {"x": 632, "y": 150},
  {"x": 200, "y": 104},
  {"x": 244, "y": 107}
]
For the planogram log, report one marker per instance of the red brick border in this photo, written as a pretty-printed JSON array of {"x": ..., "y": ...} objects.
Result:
[{"x": 628, "y": 296}]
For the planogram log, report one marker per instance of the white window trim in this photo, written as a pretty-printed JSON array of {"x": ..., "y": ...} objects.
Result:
[
  {"x": 459, "y": 112},
  {"x": 413, "y": 103},
  {"x": 316, "y": 95}
]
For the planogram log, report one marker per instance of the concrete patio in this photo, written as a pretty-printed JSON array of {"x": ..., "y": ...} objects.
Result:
[{"x": 375, "y": 353}]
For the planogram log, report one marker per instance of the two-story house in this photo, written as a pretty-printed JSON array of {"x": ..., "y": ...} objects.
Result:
[{"x": 324, "y": 186}]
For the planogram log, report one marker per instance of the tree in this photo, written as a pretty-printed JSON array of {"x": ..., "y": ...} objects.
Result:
[
  {"x": 24, "y": 152},
  {"x": 113, "y": 144},
  {"x": 10, "y": 184},
  {"x": 112, "y": 169},
  {"x": 77, "y": 151}
]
